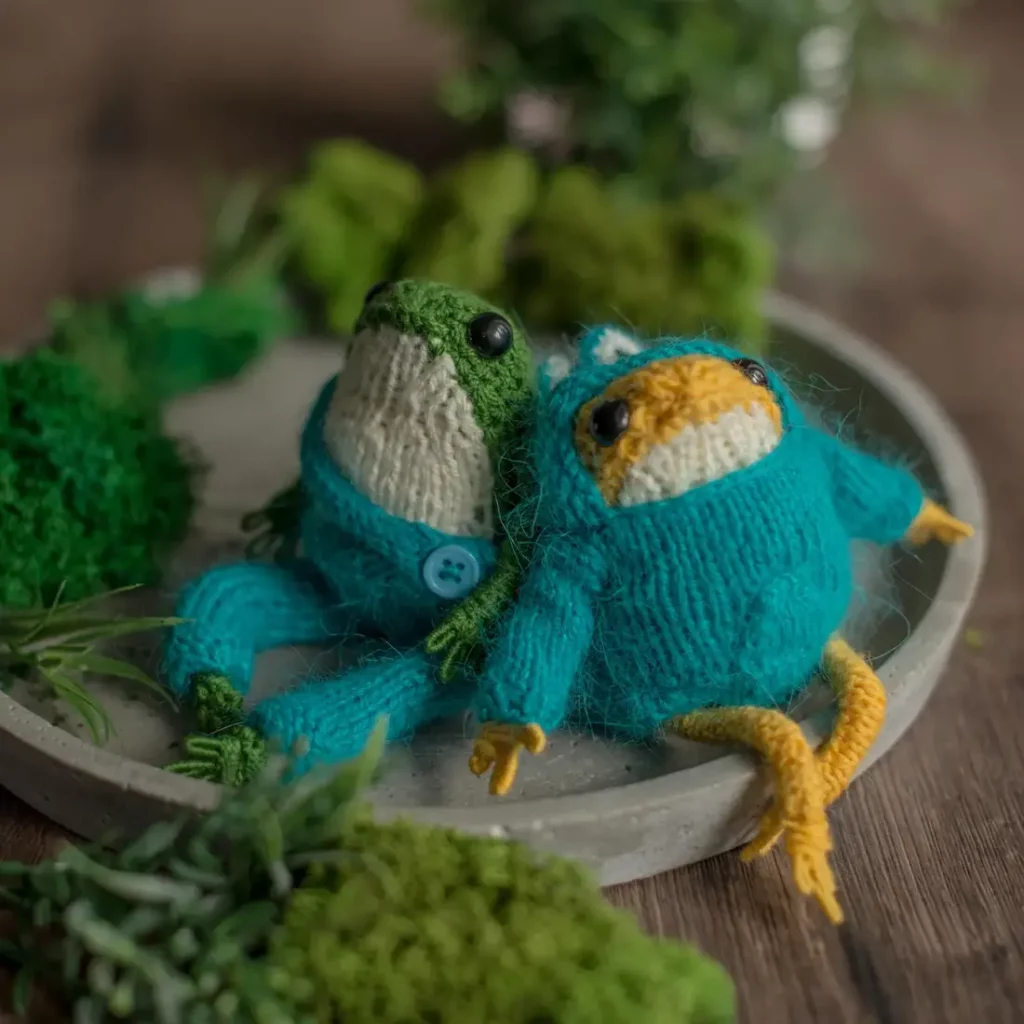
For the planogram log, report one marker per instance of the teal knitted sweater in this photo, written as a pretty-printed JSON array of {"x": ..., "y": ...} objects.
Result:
[{"x": 724, "y": 595}]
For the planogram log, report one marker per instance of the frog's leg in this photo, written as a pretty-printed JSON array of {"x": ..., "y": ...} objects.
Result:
[
  {"x": 330, "y": 720},
  {"x": 233, "y": 612},
  {"x": 799, "y": 791},
  {"x": 859, "y": 719}
]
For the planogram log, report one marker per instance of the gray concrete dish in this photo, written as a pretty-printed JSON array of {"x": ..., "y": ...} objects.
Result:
[{"x": 628, "y": 811}]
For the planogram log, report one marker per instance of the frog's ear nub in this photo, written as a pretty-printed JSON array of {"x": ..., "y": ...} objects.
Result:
[
  {"x": 553, "y": 371},
  {"x": 606, "y": 345}
]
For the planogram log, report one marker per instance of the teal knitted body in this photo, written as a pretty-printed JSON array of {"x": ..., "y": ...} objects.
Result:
[
  {"x": 361, "y": 575},
  {"x": 723, "y": 595}
]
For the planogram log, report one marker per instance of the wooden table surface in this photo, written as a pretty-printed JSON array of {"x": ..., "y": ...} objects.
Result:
[{"x": 929, "y": 845}]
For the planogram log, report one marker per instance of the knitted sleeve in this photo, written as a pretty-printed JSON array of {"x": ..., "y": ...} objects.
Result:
[
  {"x": 875, "y": 501},
  {"x": 532, "y": 667}
]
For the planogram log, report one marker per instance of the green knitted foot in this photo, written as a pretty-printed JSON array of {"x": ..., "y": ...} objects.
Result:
[
  {"x": 217, "y": 703},
  {"x": 231, "y": 758}
]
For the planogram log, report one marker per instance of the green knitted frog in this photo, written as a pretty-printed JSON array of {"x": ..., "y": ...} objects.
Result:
[{"x": 409, "y": 463}]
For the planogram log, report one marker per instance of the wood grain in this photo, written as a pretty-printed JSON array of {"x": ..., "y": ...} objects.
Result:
[{"x": 106, "y": 111}]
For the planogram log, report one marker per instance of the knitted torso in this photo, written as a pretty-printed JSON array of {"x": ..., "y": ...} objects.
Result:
[
  {"x": 725, "y": 595},
  {"x": 693, "y": 543},
  {"x": 370, "y": 556}
]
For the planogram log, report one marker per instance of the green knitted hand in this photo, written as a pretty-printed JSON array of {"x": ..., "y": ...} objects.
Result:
[
  {"x": 460, "y": 636},
  {"x": 231, "y": 758},
  {"x": 456, "y": 639},
  {"x": 218, "y": 705}
]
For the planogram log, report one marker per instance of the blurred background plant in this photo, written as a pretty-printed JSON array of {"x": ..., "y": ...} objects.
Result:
[
  {"x": 184, "y": 329},
  {"x": 651, "y": 155},
  {"x": 667, "y": 97}
]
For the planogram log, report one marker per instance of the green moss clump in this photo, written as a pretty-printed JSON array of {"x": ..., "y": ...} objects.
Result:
[
  {"x": 690, "y": 267},
  {"x": 470, "y": 215},
  {"x": 147, "y": 348},
  {"x": 92, "y": 495},
  {"x": 416, "y": 924},
  {"x": 289, "y": 905},
  {"x": 343, "y": 221}
]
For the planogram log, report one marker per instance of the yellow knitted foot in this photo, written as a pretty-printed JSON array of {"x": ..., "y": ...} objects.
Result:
[
  {"x": 934, "y": 522},
  {"x": 799, "y": 796},
  {"x": 500, "y": 745},
  {"x": 858, "y": 721}
]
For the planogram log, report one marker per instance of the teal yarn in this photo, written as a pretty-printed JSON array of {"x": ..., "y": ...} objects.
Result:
[
  {"x": 361, "y": 575},
  {"x": 724, "y": 595}
]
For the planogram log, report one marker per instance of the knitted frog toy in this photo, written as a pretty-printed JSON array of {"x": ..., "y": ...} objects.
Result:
[
  {"x": 691, "y": 569},
  {"x": 405, "y": 482}
]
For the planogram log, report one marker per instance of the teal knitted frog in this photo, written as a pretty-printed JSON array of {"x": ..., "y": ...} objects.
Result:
[
  {"x": 407, "y": 464},
  {"x": 691, "y": 568}
]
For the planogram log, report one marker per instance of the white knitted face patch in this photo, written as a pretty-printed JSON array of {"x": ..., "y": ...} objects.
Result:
[
  {"x": 401, "y": 428},
  {"x": 699, "y": 454}
]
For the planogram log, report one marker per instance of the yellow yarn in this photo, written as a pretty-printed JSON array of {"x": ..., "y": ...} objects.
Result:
[
  {"x": 665, "y": 397},
  {"x": 933, "y": 522},
  {"x": 799, "y": 790},
  {"x": 859, "y": 719},
  {"x": 500, "y": 745}
]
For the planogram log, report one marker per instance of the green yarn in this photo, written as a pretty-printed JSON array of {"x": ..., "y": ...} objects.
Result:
[
  {"x": 414, "y": 924},
  {"x": 227, "y": 751},
  {"x": 343, "y": 221},
  {"x": 92, "y": 496},
  {"x": 689, "y": 267},
  {"x": 148, "y": 349},
  {"x": 218, "y": 705},
  {"x": 231, "y": 758},
  {"x": 468, "y": 219}
]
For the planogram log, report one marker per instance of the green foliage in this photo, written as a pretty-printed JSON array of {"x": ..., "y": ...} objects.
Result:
[
  {"x": 288, "y": 905},
  {"x": 683, "y": 96},
  {"x": 183, "y": 331},
  {"x": 562, "y": 249},
  {"x": 690, "y": 266},
  {"x": 145, "y": 348},
  {"x": 415, "y": 924},
  {"x": 343, "y": 221},
  {"x": 92, "y": 494},
  {"x": 468, "y": 219},
  {"x": 54, "y": 650},
  {"x": 170, "y": 928}
]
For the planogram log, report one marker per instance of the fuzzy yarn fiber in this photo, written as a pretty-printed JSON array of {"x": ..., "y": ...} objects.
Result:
[
  {"x": 415, "y": 926},
  {"x": 724, "y": 595},
  {"x": 93, "y": 496}
]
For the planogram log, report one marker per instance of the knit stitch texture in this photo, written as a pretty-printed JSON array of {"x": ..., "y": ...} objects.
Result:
[
  {"x": 725, "y": 594},
  {"x": 361, "y": 574}
]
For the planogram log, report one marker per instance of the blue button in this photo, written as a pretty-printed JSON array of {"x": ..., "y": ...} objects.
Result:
[{"x": 451, "y": 572}]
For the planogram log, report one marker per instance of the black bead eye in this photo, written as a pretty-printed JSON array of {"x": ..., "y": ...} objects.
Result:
[
  {"x": 753, "y": 371},
  {"x": 490, "y": 334},
  {"x": 375, "y": 291},
  {"x": 609, "y": 421}
]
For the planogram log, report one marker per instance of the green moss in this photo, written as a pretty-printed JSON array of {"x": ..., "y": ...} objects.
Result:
[
  {"x": 344, "y": 220},
  {"x": 92, "y": 495},
  {"x": 694, "y": 266},
  {"x": 149, "y": 349},
  {"x": 288, "y": 905},
  {"x": 470, "y": 215},
  {"x": 428, "y": 925}
]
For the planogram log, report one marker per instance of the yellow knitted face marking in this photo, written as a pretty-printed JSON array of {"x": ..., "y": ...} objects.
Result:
[{"x": 666, "y": 397}]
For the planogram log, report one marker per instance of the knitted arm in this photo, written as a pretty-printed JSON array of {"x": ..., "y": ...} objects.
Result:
[
  {"x": 531, "y": 670},
  {"x": 875, "y": 501},
  {"x": 467, "y": 625}
]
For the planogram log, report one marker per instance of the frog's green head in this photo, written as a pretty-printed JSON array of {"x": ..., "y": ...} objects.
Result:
[{"x": 436, "y": 386}]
